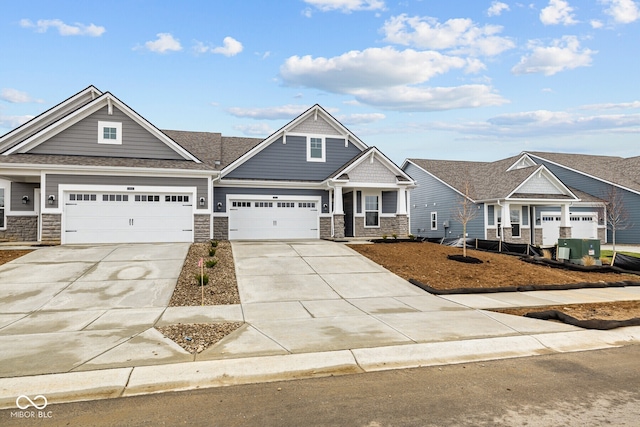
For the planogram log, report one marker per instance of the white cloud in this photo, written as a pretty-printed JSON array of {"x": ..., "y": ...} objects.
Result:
[
  {"x": 461, "y": 35},
  {"x": 269, "y": 113},
  {"x": 622, "y": 11},
  {"x": 612, "y": 106},
  {"x": 408, "y": 98},
  {"x": 558, "y": 12},
  {"x": 163, "y": 44},
  {"x": 596, "y": 24},
  {"x": 346, "y": 6},
  {"x": 496, "y": 8},
  {"x": 17, "y": 97},
  {"x": 11, "y": 122},
  {"x": 77, "y": 29},
  {"x": 230, "y": 47},
  {"x": 359, "y": 119},
  {"x": 370, "y": 68},
  {"x": 543, "y": 123},
  {"x": 255, "y": 129},
  {"x": 563, "y": 54}
]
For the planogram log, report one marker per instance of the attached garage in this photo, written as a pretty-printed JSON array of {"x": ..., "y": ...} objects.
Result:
[
  {"x": 273, "y": 218},
  {"x": 583, "y": 226},
  {"x": 119, "y": 217}
]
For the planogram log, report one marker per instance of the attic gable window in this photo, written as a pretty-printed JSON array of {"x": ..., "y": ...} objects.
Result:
[
  {"x": 315, "y": 149},
  {"x": 110, "y": 133}
]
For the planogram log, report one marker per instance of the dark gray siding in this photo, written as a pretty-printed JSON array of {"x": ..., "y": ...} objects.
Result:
[
  {"x": 220, "y": 195},
  {"x": 81, "y": 139},
  {"x": 599, "y": 189},
  {"x": 389, "y": 201},
  {"x": 53, "y": 181},
  {"x": 288, "y": 161},
  {"x": 18, "y": 191},
  {"x": 432, "y": 195}
]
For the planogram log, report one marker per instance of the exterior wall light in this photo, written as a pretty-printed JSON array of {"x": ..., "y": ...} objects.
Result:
[
  {"x": 202, "y": 201},
  {"x": 51, "y": 199},
  {"x": 25, "y": 200}
]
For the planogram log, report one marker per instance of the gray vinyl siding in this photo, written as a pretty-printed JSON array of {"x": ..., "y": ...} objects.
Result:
[
  {"x": 201, "y": 184},
  {"x": 599, "y": 189},
  {"x": 389, "y": 201},
  {"x": 18, "y": 191},
  {"x": 81, "y": 139},
  {"x": 220, "y": 195},
  {"x": 432, "y": 195},
  {"x": 288, "y": 161}
]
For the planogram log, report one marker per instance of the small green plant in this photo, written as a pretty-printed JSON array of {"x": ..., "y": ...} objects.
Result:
[
  {"x": 412, "y": 237},
  {"x": 211, "y": 263},
  {"x": 384, "y": 237},
  {"x": 202, "y": 279},
  {"x": 395, "y": 236},
  {"x": 214, "y": 243},
  {"x": 212, "y": 252}
]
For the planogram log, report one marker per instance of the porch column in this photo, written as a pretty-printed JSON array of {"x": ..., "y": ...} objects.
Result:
[
  {"x": 506, "y": 223},
  {"x": 565, "y": 222},
  {"x": 401, "y": 208},
  {"x": 337, "y": 201}
]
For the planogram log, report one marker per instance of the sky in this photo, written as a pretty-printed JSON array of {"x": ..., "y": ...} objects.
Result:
[{"x": 473, "y": 80}]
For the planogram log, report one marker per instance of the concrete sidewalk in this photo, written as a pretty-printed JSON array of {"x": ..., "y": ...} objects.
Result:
[{"x": 310, "y": 308}]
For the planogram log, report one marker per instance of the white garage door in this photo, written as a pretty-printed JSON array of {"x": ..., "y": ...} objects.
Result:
[
  {"x": 281, "y": 219},
  {"x": 96, "y": 217},
  {"x": 583, "y": 226}
]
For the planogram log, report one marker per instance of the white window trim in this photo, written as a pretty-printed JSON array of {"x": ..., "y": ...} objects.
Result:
[
  {"x": 324, "y": 149},
  {"x": 434, "y": 220},
  {"x": 518, "y": 209},
  {"x": 365, "y": 210},
  {"x": 6, "y": 186},
  {"x": 102, "y": 140}
]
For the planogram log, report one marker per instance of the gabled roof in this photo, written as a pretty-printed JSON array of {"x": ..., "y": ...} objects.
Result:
[
  {"x": 370, "y": 154},
  {"x": 108, "y": 100},
  {"x": 314, "y": 111},
  {"x": 490, "y": 180},
  {"x": 623, "y": 172},
  {"x": 53, "y": 114}
]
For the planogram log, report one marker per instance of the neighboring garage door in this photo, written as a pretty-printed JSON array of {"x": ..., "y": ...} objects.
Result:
[
  {"x": 101, "y": 217},
  {"x": 271, "y": 219},
  {"x": 583, "y": 226}
]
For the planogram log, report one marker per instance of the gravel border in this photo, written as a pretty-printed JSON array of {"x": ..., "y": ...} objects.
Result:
[{"x": 196, "y": 337}]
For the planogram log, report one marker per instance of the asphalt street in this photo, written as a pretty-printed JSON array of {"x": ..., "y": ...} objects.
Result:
[{"x": 594, "y": 388}]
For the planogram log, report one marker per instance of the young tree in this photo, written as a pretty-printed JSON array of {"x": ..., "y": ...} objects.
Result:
[
  {"x": 465, "y": 212},
  {"x": 617, "y": 214}
]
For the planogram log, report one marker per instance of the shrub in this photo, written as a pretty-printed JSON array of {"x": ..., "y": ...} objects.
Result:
[
  {"x": 202, "y": 279},
  {"x": 384, "y": 237},
  {"x": 412, "y": 237},
  {"x": 211, "y": 263},
  {"x": 588, "y": 260},
  {"x": 212, "y": 252},
  {"x": 546, "y": 254},
  {"x": 395, "y": 236},
  {"x": 214, "y": 243}
]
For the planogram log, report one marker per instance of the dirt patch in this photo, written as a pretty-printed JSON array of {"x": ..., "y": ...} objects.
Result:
[
  {"x": 222, "y": 288},
  {"x": 619, "y": 310},
  {"x": 196, "y": 337},
  {"x": 428, "y": 263},
  {"x": 11, "y": 254}
]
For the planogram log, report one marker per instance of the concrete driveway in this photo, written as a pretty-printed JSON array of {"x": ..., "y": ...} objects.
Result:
[{"x": 64, "y": 306}]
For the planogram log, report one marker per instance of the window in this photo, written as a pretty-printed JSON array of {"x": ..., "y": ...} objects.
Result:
[
  {"x": 82, "y": 197},
  {"x": 315, "y": 149},
  {"x": 146, "y": 198},
  {"x": 109, "y": 133},
  {"x": 491, "y": 216},
  {"x": 499, "y": 221},
  {"x": 115, "y": 197},
  {"x": 371, "y": 211},
  {"x": 434, "y": 220},
  {"x": 178, "y": 199},
  {"x": 263, "y": 204},
  {"x": 241, "y": 204},
  {"x": 2, "y": 221},
  {"x": 307, "y": 205},
  {"x": 515, "y": 222},
  {"x": 286, "y": 205}
]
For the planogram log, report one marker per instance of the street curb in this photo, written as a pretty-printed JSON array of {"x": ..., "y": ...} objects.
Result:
[{"x": 142, "y": 380}]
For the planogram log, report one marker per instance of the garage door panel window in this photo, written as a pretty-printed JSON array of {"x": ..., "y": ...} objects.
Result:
[
  {"x": 176, "y": 198},
  {"x": 372, "y": 211},
  {"x": 263, "y": 204},
  {"x": 241, "y": 204},
  {"x": 82, "y": 197},
  {"x": 286, "y": 205},
  {"x": 146, "y": 198},
  {"x": 115, "y": 197}
]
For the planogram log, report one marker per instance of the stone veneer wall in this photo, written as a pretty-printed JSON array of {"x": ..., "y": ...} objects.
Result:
[
  {"x": 20, "y": 229},
  {"x": 602, "y": 235},
  {"x": 538, "y": 237},
  {"x": 565, "y": 233},
  {"x": 201, "y": 225},
  {"x": 325, "y": 227},
  {"x": 51, "y": 228},
  {"x": 388, "y": 226},
  {"x": 221, "y": 228},
  {"x": 338, "y": 226}
]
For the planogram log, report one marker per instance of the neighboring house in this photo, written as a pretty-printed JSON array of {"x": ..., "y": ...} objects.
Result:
[
  {"x": 518, "y": 200},
  {"x": 92, "y": 170}
]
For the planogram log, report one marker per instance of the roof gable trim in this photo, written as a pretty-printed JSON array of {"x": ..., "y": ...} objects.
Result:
[{"x": 542, "y": 171}]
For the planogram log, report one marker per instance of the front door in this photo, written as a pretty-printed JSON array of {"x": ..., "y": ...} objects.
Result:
[{"x": 347, "y": 203}]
